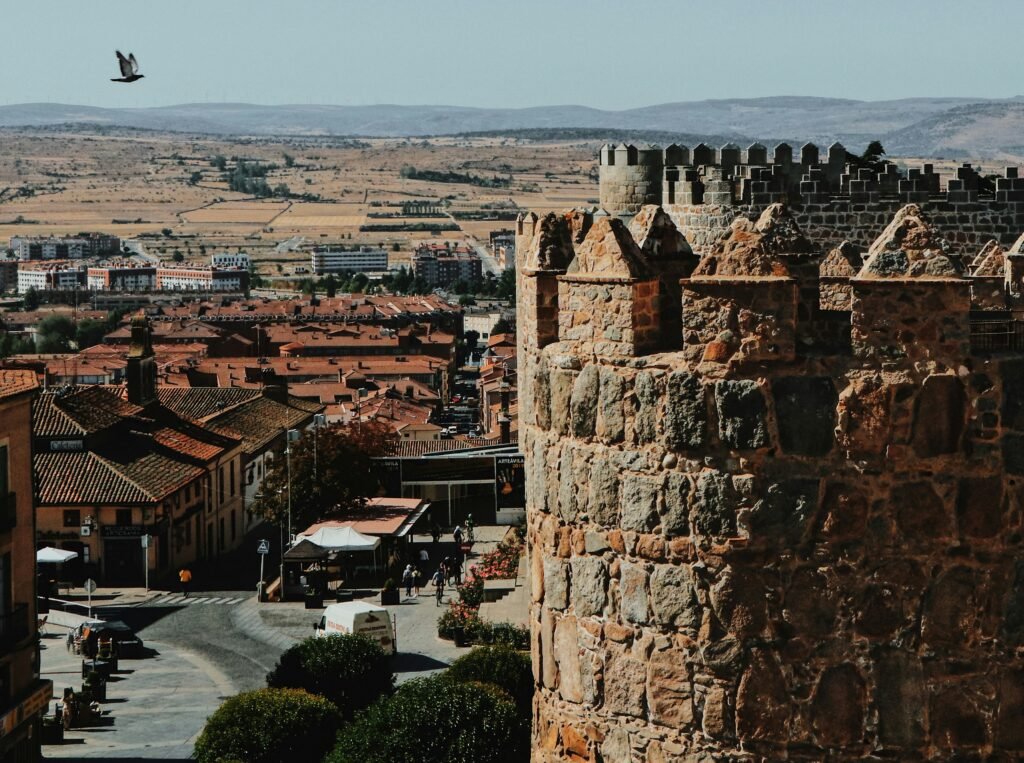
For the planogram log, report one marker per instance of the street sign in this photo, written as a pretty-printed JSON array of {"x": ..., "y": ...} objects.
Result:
[
  {"x": 264, "y": 547},
  {"x": 89, "y": 585},
  {"x": 146, "y": 540}
]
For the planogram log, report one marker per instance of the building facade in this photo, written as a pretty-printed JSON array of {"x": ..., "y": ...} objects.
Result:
[
  {"x": 229, "y": 260},
  {"x": 773, "y": 491},
  {"x": 201, "y": 279},
  {"x": 24, "y": 696},
  {"x": 443, "y": 265},
  {"x": 121, "y": 277},
  {"x": 64, "y": 247},
  {"x": 366, "y": 260},
  {"x": 50, "y": 276}
]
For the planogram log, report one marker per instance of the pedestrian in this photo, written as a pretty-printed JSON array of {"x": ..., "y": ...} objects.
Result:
[
  {"x": 457, "y": 570},
  {"x": 185, "y": 578},
  {"x": 457, "y": 535},
  {"x": 407, "y": 580},
  {"x": 469, "y": 527},
  {"x": 416, "y": 575},
  {"x": 435, "y": 533},
  {"x": 449, "y": 569},
  {"x": 424, "y": 556},
  {"x": 438, "y": 581}
]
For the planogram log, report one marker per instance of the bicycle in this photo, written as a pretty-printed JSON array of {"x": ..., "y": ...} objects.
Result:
[{"x": 439, "y": 594}]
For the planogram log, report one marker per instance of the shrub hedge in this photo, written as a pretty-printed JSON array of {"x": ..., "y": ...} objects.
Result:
[
  {"x": 351, "y": 671},
  {"x": 436, "y": 720},
  {"x": 269, "y": 726},
  {"x": 503, "y": 666}
]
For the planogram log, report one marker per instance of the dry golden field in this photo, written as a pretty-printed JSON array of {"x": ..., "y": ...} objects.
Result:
[{"x": 165, "y": 188}]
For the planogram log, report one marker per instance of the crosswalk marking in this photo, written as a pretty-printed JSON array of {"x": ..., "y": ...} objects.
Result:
[{"x": 177, "y": 600}]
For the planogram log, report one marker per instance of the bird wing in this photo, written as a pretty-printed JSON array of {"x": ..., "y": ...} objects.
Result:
[
  {"x": 125, "y": 64},
  {"x": 134, "y": 63}
]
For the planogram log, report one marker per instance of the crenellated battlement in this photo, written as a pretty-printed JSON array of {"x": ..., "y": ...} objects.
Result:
[{"x": 774, "y": 483}]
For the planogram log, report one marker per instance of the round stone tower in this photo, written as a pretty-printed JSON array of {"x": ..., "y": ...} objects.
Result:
[
  {"x": 630, "y": 177},
  {"x": 798, "y": 537}
]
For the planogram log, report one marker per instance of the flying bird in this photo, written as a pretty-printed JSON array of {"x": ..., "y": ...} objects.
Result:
[{"x": 129, "y": 68}]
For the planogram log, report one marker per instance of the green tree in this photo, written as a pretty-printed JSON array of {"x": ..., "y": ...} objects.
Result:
[
  {"x": 396, "y": 247},
  {"x": 506, "y": 668},
  {"x": 358, "y": 282},
  {"x": 167, "y": 232},
  {"x": 282, "y": 190},
  {"x": 336, "y": 478},
  {"x": 31, "y": 299},
  {"x": 219, "y": 162},
  {"x": 90, "y": 331},
  {"x": 331, "y": 285},
  {"x": 195, "y": 177},
  {"x": 436, "y": 720},
  {"x": 351, "y": 671},
  {"x": 269, "y": 726},
  {"x": 502, "y": 327},
  {"x": 471, "y": 338},
  {"x": 54, "y": 334},
  {"x": 178, "y": 256},
  {"x": 289, "y": 160},
  {"x": 506, "y": 287}
]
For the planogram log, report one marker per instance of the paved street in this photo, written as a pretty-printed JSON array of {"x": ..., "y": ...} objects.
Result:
[{"x": 208, "y": 646}]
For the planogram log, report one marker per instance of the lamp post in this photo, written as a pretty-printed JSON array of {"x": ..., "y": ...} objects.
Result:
[
  {"x": 291, "y": 436},
  {"x": 319, "y": 420}
]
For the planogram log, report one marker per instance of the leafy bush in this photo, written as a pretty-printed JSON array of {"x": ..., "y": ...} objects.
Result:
[
  {"x": 436, "y": 720},
  {"x": 351, "y": 671},
  {"x": 503, "y": 666},
  {"x": 269, "y": 726}
]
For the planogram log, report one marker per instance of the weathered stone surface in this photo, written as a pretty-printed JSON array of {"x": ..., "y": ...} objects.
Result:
[
  {"x": 762, "y": 700},
  {"x": 646, "y": 422},
  {"x": 556, "y": 583},
  {"x": 669, "y": 695},
  {"x": 715, "y": 504},
  {"x": 633, "y": 592},
  {"x": 611, "y": 420},
  {"x": 920, "y": 512},
  {"x": 1013, "y": 453},
  {"x": 717, "y": 721},
  {"x": 805, "y": 409},
  {"x": 585, "y": 391},
  {"x": 676, "y": 520},
  {"x": 844, "y": 513},
  {"x": 615, "y": 748},
  {"x": 724, "y": 657},
  {"x": 956, "y": 721},
  {"x": 838, "y": 706},
  {"x": 673, "y": 597},
  {"x": 589, "y": 585},
  {"x": 1013, "y": 615},
  {"x": 567, "y": 506},
  {"x": 1009, "y": 730},
  {"x": 949, "y": 608},
  {"x": 980, "y": 506},
  {"x": 566, "y": 652},
  {"x": 810, "y": 604},
  {"x": 900, "y": 699},
  {"x": 603, "y": 493},
  {"x": 685, "y": 412},
  {"x": 549, "y": 668},
  {"x": 910, "y": 246},
  {"x": 561, "y": 385},
  {"x": 639, "y": 503},
  {"x": 623, "y": 683},
  {"x": 738, "y": 600},
  {"x": 785, "y": 511},
  {"x": 864, "y": 416},
  {"x": 939, "y": 416},
  {"x": 742, "y": 414},
  {"x": 1012, "y": 412},
  {"x": 595, "y": 542}
]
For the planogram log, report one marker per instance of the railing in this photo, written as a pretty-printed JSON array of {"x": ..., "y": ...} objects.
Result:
[
  {"x": 8, "y": 512},
  {"x": 14, "y": 626},
  {"x": 997, "y": 336}
]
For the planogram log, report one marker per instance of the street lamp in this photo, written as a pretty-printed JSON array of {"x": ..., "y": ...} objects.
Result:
[
  {"x": 319, "y": 420},
  {"x": 291, "y": 436}
]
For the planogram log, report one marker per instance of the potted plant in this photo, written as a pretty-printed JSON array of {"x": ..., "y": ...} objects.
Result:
[{"x": 390, "y": 594}]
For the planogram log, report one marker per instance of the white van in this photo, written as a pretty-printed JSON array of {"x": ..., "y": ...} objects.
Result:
[{"x": 359, "y": 617}]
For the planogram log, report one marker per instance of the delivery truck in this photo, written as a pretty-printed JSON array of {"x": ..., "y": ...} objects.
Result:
[{"x": 359, "y": 617}]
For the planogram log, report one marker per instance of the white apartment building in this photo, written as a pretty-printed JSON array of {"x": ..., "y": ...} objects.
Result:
[
  {"x": 366, "y": 260},
  {"x": 229, "y": 260},
  {"x": 56, "y": 276},
  {"x": 123, "y": 277},
  {"x": 201, "y": 279}
]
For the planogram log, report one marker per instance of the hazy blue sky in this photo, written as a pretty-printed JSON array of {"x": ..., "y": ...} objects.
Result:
[{"x": 518, "y": 53}]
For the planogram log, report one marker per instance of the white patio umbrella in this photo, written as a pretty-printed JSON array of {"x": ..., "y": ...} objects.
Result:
[{"x": 51, "y": 555}]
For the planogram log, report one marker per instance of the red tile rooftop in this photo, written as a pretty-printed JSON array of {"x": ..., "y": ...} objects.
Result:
[{"x": 17, "y": 382}]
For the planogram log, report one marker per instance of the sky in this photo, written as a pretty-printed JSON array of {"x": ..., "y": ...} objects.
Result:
[{"x": 521, "y": 53}]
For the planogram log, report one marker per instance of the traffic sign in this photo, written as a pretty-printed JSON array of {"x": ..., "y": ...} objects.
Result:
[
  {"x": 264, "y": 547},
  {"x": 89, "y": 585}
]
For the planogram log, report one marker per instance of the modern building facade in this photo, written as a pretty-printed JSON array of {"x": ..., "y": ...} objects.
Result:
[
  {"x": 24, "y": 696},
  {"x": 443, "y": 265},
  {"x": 201, "y": 279},
  {"x": 366, "y": 260},
  {"x": 229, "y": 260},
  {"x": 124, "y": 276},
  {"x": 64, "y": 247},
  {"x": 50, "y": 276}
]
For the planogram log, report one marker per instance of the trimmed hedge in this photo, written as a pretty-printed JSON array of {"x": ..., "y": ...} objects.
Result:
[
  {"x": 436, "y": 720},
  {"x": 351, "y": 671},
  {"x": 269, "y": 726},
  {"x": 506, "y": 668}
]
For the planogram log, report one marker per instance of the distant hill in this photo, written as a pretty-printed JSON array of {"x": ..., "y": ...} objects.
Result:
[{"x": 913, "y": 126}]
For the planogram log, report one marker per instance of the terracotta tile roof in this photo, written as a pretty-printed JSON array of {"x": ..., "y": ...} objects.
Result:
[
  {"x": 82, "y": 477},
  {"x": 199, "y": 402},
  {"x": 414, "y": 449},
  {"x": 79, "y": 411},
  {"x": 17, "y": 382},
  {"x": 260, "y": 420},
  {"x": 182, "y": 443}
]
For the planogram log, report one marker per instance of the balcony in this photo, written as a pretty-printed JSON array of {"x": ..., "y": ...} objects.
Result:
[
  {"x": 8, "y": 512},
  {"x": 13, "y": 626},
  {"x": 997, "y": 336}
]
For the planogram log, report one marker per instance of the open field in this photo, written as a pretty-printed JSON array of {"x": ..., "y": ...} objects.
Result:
[{"x": 168, "y": 189}]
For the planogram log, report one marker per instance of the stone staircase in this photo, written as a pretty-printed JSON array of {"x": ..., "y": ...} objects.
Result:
[{"x": 511, "y": 602}]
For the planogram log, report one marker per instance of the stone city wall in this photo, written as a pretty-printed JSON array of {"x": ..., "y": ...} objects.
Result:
[{"x": 745, "y": 551}]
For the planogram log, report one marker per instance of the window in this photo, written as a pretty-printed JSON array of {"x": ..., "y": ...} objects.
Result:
[
  {"x": 123, "y": 517},
  {"x": 188, "y": 533},
  {"x": 221, "y": 485},
  {"x": 234, "y": 528},
  {"x": 231, "y": 471},
  {"x": 72, "y": 517}
]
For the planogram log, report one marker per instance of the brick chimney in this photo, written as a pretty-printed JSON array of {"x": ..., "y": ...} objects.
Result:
[{"x": 141, "y": 370}]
